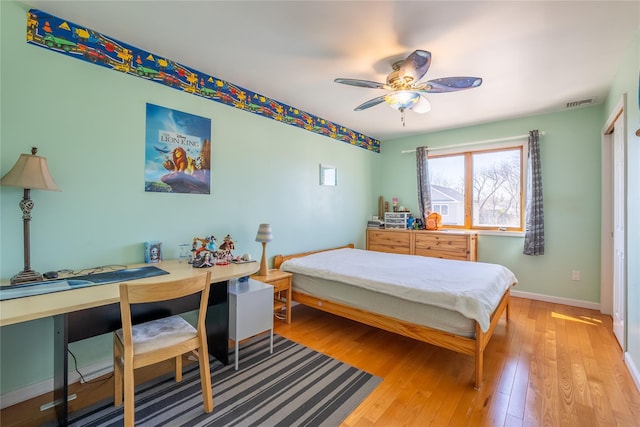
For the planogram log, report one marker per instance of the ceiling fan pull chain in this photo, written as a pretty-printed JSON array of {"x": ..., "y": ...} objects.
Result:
[{"x": 402, "y": 117}]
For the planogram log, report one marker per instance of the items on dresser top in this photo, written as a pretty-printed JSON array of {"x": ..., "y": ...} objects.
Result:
[{"x": 396, "y": 219}]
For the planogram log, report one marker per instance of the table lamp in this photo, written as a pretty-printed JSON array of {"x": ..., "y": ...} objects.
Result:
[
  {"x": 30, "y": 173},
  {"x": 264, "y": 235}
]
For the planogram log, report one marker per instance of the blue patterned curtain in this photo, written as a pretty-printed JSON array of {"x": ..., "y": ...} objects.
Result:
[
  {"x": 424, "y": 184},
  {"x": 534, "y": 214}
]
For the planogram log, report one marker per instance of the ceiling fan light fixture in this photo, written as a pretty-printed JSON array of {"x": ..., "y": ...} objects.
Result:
[
  {"x": 404, "y": 83},
  {"x": 402, "y": 99},
  {"x": 421, "y": 106}
]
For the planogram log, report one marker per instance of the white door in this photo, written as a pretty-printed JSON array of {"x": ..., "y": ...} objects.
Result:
[{"x": 619, "y": 279}]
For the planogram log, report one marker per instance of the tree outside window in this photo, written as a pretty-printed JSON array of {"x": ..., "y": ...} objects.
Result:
[{"x": 480, "y": 189}]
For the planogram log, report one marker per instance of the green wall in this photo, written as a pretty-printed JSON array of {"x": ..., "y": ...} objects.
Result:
[
  {"x": 570, "y": 157},
  {"x": 89, "y": 122}
]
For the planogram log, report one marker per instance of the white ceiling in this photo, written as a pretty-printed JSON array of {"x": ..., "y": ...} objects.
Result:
[{"x": 534, "y": 57}]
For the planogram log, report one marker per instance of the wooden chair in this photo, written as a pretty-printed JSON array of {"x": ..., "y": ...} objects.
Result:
[{"x": 135, "y": 346}]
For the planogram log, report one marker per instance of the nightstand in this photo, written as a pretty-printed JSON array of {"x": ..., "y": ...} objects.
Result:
[
  {"x": 281, "y": 282},
  {"x": 249, "y": 311}
]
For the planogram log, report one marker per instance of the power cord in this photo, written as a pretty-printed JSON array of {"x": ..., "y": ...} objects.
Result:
[
  {"x": 82, "y": 379},
  {"x": 94, "y": 270}
]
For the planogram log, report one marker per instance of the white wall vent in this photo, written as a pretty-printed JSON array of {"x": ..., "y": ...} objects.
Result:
[{"x": 581, "y": 103}]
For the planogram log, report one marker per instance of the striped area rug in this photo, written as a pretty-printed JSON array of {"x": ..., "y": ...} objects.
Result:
[{"x": 294, "y": 386}]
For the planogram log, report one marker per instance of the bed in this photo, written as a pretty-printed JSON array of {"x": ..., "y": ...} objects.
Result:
[{"x": 451, "y": 304}]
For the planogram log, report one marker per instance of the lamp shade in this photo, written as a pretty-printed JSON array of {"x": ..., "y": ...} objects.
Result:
[
  {"x": 264, "y": 233},
  {"x": 30, "y": 172}
]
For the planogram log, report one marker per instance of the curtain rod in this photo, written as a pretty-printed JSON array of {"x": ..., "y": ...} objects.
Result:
[{"x": 486, "y": 141}]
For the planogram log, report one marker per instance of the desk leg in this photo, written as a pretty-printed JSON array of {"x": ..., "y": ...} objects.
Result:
[
  {"x": 236, "y": 348},
  {"x": 217, "y": 322},
  {"x": 60, "y": 368},
  {"x": 271, "y": 339}
]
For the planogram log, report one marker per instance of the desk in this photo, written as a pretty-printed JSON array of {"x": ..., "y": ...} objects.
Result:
[{"x": 101, "y": 303}]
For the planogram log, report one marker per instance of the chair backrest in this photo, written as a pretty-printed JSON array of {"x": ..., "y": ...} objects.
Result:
[{"x": 138, "y": 293}]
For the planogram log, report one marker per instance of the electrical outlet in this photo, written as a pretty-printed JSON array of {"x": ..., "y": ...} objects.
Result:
[{"x": 575, "y": 275}]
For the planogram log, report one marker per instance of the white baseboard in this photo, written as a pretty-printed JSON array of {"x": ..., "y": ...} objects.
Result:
[
  {"x": 25, "y": 393},
  {"x": 46, "y": 386},
  {"x": 633, "y": 369},
  {"x": 557, "y": 300}
]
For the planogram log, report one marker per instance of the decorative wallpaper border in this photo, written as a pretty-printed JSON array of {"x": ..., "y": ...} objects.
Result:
[{"x": 73, "y": 40}]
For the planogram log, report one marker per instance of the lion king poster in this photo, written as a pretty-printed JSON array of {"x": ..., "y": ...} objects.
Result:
[{"x": 177, "y": 152}]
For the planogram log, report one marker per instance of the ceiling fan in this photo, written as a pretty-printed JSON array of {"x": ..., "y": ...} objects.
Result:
[{"x": 407, "y": 91}]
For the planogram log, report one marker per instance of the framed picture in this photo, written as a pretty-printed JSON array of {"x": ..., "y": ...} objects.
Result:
[
  {"x": 152, "y": 252},
  {"x": 177, "y": 152},
  {"x": 328, "y": 175}
]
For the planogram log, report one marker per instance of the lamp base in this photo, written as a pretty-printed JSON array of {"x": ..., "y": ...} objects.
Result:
[
  {"x": 26, "y": 276},
  {"x": 264, "y": 270}
]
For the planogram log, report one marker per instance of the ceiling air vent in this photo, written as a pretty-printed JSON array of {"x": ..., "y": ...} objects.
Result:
[{"x": 581, "y": 103}]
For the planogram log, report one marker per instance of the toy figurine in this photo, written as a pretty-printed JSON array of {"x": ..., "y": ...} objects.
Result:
[
  {"x": 204, "y": 260},
  {"x": 212, "y": 245},
  {"x": 206, "y": 244},
  {"x": 227, "y": 246}
]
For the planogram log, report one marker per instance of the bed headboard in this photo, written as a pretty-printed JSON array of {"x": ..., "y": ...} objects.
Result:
[{"x": 279, "y": 259}]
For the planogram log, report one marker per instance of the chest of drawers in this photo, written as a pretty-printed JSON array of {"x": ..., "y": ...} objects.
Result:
[{"x": 461, "y": 245}]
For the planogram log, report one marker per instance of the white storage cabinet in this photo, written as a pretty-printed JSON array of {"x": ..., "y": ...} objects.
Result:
[{"x": 250, "y": 311}]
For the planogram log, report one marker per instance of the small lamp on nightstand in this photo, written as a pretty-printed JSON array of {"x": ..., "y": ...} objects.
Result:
[{"x": 264, "y": 236}]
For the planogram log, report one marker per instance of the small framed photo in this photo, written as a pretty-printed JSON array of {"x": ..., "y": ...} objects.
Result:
[
  {"x": 152, "y": 252},
  {"x": 328, "y": 175}
]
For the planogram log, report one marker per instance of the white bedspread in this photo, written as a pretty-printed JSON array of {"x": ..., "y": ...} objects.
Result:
[{"x": 473, "y": 289}]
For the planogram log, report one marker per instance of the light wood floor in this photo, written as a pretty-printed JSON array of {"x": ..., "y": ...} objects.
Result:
[{"x": 551, "y": 365}]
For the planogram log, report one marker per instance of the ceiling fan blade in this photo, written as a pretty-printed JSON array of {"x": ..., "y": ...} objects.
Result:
[
  {"x": 415, "y": 66},
  {"x": 451, "y": 84},
  {"x": 361, "y": 83},
  {"x": 370, "y": 103},
  {"x": 421, "y": 106}
]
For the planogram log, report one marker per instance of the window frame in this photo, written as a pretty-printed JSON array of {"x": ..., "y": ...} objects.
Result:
[{"x": 467, "y": 153}]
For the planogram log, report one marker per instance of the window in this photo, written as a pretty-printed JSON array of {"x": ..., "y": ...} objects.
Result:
[
  {"x": 441, "y": 209},
  {"x": 480, "y": 189}
]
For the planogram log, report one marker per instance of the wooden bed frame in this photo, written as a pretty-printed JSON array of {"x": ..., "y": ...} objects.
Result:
[{"x": 470, "y": 346}]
